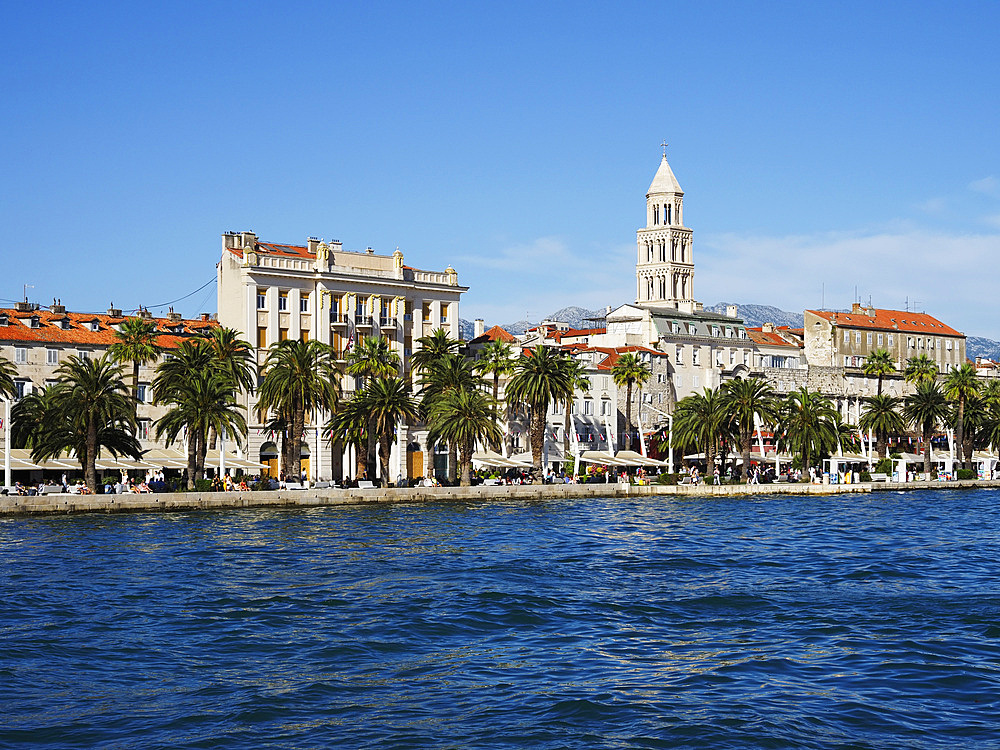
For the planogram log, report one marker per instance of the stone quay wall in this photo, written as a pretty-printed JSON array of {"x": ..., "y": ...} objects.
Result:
[{"x": 60, "y": 504}]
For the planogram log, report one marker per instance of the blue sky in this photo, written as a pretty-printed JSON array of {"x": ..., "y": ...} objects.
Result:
[{"x": 823, "y": 147}]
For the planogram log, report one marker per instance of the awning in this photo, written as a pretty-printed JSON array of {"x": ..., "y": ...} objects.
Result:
[
  {"x": 494, "y": 459},
  {"x": 631, "y": 458},
  {"x": 598, "y": 457}
]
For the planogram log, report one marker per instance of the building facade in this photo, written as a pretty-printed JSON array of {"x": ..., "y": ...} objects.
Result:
[{"x": 319, "y": 291}]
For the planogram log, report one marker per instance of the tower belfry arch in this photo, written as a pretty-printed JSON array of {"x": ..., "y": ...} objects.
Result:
[{"x": 664, "y": 267}]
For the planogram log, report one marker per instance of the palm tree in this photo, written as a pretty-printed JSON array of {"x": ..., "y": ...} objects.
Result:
[
  {"x": 882, "y": 417},
  {"x": 628, "y": 371},
  {"x": 926, "y": 409},
  {"x": 446, "y": 374},
  {"x": 745, "y": 400},
  {"x": 578, "y": 380},
  {"x": 878, "y": 364},
  {"x": 540, "y": 377},
  {"x": 7, "y": 374},
  {"x": 88, "y": 408},
  {"x": 351, "y": 423},
  {"x": 432, "y": 347},
  {"x": 135, "y": 342},
  {"x": 236, "y": 359},
  {"x": 464, "y": 417},
  {"x": 27, "y": 417},
  {"x": 700, "y": 420},
  {"x": 203, "y": 401},
  {"x": 299, "y": 377},
  {"x": 808, "y": 425},
  {"x": 387, "y": 401},
  {"x": 373, "y": 357},
  {"x": 496, "y": 359},
  {"x": 920, "y": 369},
  {"x": 959, "y": 385}
]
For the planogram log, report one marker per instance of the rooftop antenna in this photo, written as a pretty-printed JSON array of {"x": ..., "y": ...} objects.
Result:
[
  {"x": 822, "y": 305},
  {"x": 26, "y": 288}
]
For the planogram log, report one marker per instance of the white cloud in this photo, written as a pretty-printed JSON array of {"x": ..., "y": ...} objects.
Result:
[
  {"x": 988, "y": 185},
  {"x": 951, "y": 276}
]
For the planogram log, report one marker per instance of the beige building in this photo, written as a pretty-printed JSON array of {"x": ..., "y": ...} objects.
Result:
[
  {"x": 38, "y": 340},
  {"x": 270, "y": 291}
]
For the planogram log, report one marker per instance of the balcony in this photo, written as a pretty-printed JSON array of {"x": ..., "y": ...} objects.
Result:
[
  {"x": 337, "y": 318},
  {"x": 363, "y": 320},
  {"x": 387, "y": 321}
]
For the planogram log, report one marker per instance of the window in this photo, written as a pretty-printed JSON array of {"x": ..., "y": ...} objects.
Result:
[
  {"x": 282, "y": 334},
  {"x": 51, "y": 356},
  {"x": 22, "y": 388},
  {"x": 847, "y": 337},
  {"x": 679, "y": 355},
  {"x": 869, "y": 338},
  {"x": 84, "y": 354},
  {"x": 304, "y": 303},
  {"x": 675, "y": 327},
  {"x": 557, "y": 408},
  {"x": 890, "y": 339},
  {"x": 695, "y": 357},
  {"x": 304, "y": 335},
  {"x": 140, "y": 393},
  {"x": 659, "y": 377},
  {"x": 261, "y": 299},
  {"x": 732, "y": 357},
  {"x": 262, "y": 337},
  {"x": 588, "y": 407},
  {"x": 444, "y": 312},
  {"x": 715, "y": 331},
  {"x": 94, "y": 326},
  {"x": 695, "y": 381},
  {"x": 948, "y": 346},
  {"x": 857, "y": 337},
  {"x": 605, "y": 407},
  {"x": 282, "y": 301},
  {"x": 143, "y": 431},
  {"x": 20, "y": 355},
  {"x": 847, "y": 361},
  {"x": 881, "y": 336}
]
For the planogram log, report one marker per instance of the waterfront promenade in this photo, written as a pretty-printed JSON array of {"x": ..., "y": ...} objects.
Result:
[{"x": 184, "y": 501}]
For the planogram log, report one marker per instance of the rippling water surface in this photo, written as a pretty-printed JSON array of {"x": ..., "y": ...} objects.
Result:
[{"x": 785, "y": 622}]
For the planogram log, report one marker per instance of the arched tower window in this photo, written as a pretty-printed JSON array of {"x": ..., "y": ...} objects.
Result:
[
  {"x": 667, "y": 208},
  {"x": 656, "y": 215}
]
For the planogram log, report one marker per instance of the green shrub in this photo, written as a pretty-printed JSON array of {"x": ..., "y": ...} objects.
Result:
[
  {"x": 202, "y": 485},
  {"x": 966, "y": 474},
  {"x": 666, "y": 478},
  {"x": 865, "y": 476},
  {"x": 884, "y": 466}
]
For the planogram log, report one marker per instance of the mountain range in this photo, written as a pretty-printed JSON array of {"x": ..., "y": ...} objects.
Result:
[{"x": 752, "y": 315}]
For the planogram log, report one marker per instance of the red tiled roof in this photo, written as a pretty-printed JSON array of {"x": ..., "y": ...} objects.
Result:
[
  {"x": 889, "y": 320},
  {"x": 50, "y": 330},
  {"x": 758, "y": 336},
  {"x": 496, "y": 333},
  {"x": 612, "y": 352}
]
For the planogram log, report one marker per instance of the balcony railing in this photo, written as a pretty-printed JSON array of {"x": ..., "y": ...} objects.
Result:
[
  {"x": 362, "y": 320},
  {"x": 338, "y": 318},
  {"x": 387, "y": 321}
]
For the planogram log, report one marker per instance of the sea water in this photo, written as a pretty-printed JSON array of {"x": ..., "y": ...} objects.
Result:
[{"x": 856, "y": 621}]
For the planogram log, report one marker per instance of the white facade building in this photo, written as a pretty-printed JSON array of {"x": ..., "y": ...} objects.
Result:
[{"x": 319, "y": 291}]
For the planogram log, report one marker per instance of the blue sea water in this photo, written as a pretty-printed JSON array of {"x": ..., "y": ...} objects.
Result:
[{"x": 778, "y": 622}]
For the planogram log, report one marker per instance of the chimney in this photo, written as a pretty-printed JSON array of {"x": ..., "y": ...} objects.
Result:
[
  {"x": 145, "y": 314},
  {"x": 24, "y": 306},
  {"x": 857, "y": 309},
  {"x": 311, "y": 244},
  {"x": 731, "y": 310},
  {"x": 480, "y": 327},
  {"x": 58, "y": 307},
  {"x": 205, "y": 317},
  {"x": 767, "y": 328},
  {"x": 247, "y": 240},
  {"x": 174, "y": 317}
]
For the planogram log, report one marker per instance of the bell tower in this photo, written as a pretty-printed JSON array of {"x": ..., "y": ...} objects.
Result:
[{"x": 664, "y": 269}]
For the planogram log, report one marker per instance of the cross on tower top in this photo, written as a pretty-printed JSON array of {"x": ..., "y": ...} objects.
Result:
[{"x": 664, "y": 144}]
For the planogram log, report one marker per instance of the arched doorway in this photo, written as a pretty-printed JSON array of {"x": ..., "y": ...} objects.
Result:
[
  {"x": 269, "y": 456},
  {"x": 304, "y": 454}
]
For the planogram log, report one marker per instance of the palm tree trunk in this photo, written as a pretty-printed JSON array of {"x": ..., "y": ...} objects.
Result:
[
  {"x": 960, "y": 432},
  {"x": 628, "y": 415},
  {"x": 202, "y": 452},
  {"x": 880, "y": 444},
  {"x": 298, "y": 425},
  {"x": 536, "y": 434},
  {"x": 384, "y": 453},
  {"x": 566, "y": 427},
  {"x": 464, "y": 458},
  {"x": 90, "y": 468},
  {"x": 927, "y": 451},
  {"x": 805, "y": 465},
  {"x": 192, "y": 459},
  {"x": 360, "y": 459},
  {"x": 135, "y": 388},
  {"x": 452, "y": 463},
  {"x": 747, "y": 440}
]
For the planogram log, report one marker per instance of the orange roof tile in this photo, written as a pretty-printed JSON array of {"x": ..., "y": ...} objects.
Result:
[
  {"x": 79, "y": 333},
  {"x": 889, "y": 320},
  {"x": 496, "y": 333},
  {"x": 758, "y": 336}
]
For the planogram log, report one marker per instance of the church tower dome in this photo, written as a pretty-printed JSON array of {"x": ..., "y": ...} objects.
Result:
[{"x": 664, "y": 268}]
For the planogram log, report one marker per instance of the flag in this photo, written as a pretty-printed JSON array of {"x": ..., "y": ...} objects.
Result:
[{"x": 350, "y": 334}]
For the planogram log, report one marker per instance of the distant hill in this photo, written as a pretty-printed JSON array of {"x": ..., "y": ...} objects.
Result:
[
  {"x": 976, "y": 346},
  {"x": 758, "y": 315}
]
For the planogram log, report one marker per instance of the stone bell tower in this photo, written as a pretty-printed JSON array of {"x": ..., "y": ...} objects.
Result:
[{"x": 664, "y": 269}]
